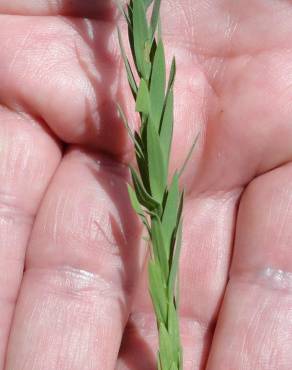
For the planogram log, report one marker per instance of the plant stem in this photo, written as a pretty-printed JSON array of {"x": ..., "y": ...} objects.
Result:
[{"x": 158, "y": 202}]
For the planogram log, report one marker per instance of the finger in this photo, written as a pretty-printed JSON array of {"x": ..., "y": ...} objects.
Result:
[
  {"x": 88, "y": 8},
  {"x": 28, "y": 159},
  {"x": 80, "y": 59},
  {"x": 255, "y": 325},
  {"x": 72, "y": 63},
  {"x": 229, "y": 46},
  {"x": 207, "y": 241},
  {"x": 82, "y": 265}
]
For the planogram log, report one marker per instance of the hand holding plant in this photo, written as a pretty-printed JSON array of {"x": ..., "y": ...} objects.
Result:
[{"x": 60, "y": 210}]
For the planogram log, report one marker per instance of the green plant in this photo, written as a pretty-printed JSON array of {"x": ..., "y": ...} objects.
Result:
[{"x": 158, "y": 203}]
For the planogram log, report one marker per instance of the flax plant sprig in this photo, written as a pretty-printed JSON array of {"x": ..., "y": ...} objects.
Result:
[{"x": 158, "y": 203}]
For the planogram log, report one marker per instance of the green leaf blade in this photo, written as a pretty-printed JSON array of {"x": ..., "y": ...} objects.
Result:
[
  {"x": 157, "y": 291},
  {"x": 147, "y": 3},
  {"x": 155, "y": 17},
  {"x": 166, "y": 128},
  {"x": 173, "y": 329},
  {"x": 129, "y": 71},
  {"x": 160, "y": 249},
  {"x": 157, "y": 85},
  {"x": 122, "y": 11},
  {"x": 143, "y": 103},
  {"x": 175, "y": 258},
  {"x": 165, "y": 348},
  {"x": 134, "y": 201},
  {"x": 173, "y": 366},
  {"x": 156, "y": 163},
  {"x": 144, "y": 198},
  {"x": 169, "y": 217},
  {"x": 172, "y": 75},
  {"x": 188, "y": 157},
  {"x": 141, "y": 34},
  {"x": 166, "y": 125}
]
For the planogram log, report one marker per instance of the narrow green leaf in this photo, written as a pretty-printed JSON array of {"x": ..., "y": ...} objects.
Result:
[
  {"x": 147, "y": 61},
  {"x": 157, "y": 291},
  {"x": 139, "y": 154},
  {"x": 175, "y": 261},
  {"x": 147, "y": 3},
  {"x": 143, "y": 165},
  {"x": 166, "y": 128},
  {"x": 173, "y": 329},
  {"x": 178, "y": 241},
  {"x": 165, "y": 348},
  {"x": 166, "y": 125},
  {"x": 173, "y": 366},
  {"x": 172, "y": 74},
  {"x": 159, "y": 30},
  {"x": 123, "y": 12},
  {"x": 189, "y": 155},
  {"x": 157, "y": 85},
  {"x": 137, "y": 144},
  {"x": 134, "y": 201},
  {"x": 140, "y": 34},
  {"x": 144, "y": 198},
  {"x": 169, "y": 218},
  {"x": 125, "y": 121},
  {"x": 159, "y": 362},
  {"x": 180, "y": 208},
  {"x": 129, "y": 71},
  {"x": 139, "y": 141},
  {"x": 137, "y": 208},
  {"x": 156, "y": 163},
  {"x": 131, "y": 33},
  {"x": 160, "y": 249},
  {"x": 155, "y": 17},
  {"x": 143, "y": 99}
]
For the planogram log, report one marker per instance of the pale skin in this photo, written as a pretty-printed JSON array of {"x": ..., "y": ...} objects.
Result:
[{"x": 82, "y": 301}]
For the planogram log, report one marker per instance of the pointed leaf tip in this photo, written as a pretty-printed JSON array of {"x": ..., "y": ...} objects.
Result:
[
  {"x": 157, "y": 85},
  {"x": 143, "y": 98},
  {"x": 155, "y": 17}
]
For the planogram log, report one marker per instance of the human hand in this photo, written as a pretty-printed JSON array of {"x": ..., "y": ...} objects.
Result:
[{"x": 64, "y": 209}]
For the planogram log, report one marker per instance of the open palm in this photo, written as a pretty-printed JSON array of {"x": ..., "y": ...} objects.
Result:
[{"x": 65, "y": 219}]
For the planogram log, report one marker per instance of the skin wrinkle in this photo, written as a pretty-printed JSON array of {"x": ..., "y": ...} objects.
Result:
[
  {"x": 58, "y": 61},
  {"x": 284, "y": 220},
  {"x": 18, "y": 51},
  {"x": 264, "y": 357},
  {"x": 116, "y": 261},
  {"x": 97, "y": 229},
  {"x": 80, "y": 291},
  {"x": 105, "y": 60},
  {"x": 20, "y": 154},
  {"x": 76, "y": 283},
  {"x": 250, "y": 330},
  {"x": 42, "y": 69},
  {"x": 10, "y": 211},
  {"x": 269, "y": 278},
  {"x": 18, "y": 161},
  {"x": 191, "y": 26},
  {"x": 271, "y": 357},
  {"x": 264, "y": 322}
]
